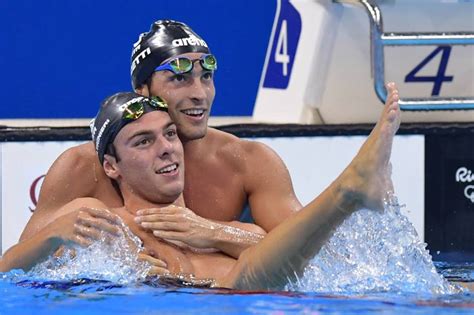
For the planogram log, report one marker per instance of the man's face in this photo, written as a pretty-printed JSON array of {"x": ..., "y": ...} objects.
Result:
[
  {"x": 151, "y": 163},
  {"x": 189, "y": 97}
]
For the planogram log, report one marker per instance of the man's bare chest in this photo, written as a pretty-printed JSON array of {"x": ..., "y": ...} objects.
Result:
[{"x": 216, "y": 194}]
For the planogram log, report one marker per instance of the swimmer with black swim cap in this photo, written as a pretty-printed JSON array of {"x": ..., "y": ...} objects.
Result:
[
  {"x": 172, "y": 61},
  {"x": 117, "y": 111},
  {"x": 167, "y": 39}
]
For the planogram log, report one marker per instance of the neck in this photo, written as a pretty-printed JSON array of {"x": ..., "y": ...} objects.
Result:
[
  {"x": 190, "y": 145},
  {"x": 134, "y": 204}
]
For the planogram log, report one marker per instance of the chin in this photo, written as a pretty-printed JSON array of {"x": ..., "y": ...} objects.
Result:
[
  {"x": 173, "y": 193},
  {"x": 193, "y": 133}
]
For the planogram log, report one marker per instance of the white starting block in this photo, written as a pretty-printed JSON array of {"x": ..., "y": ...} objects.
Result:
[{"x": 327, "y": 61}]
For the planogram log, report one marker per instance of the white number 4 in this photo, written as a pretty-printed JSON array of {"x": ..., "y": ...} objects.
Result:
[{"x": 281, "y": 51}]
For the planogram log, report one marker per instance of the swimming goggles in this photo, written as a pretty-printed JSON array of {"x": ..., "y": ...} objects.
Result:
[
  {"x": 135, "y": 108},
  {"x": 183, "y": 65}
]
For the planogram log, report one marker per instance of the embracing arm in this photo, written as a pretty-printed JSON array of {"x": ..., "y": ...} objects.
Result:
[
  {"x": 75, "y": 174},
  {"x": 27, "y": 254},
  {"x": 181, "y": 225},
  {"x": 78, "y": 222},
  {"x": 234, "y": 237}
]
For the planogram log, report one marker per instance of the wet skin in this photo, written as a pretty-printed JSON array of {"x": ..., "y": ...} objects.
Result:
[
  {"x": 223, "y": 172},
  {"x": 287, "y": 249},
  {"x": 150, "y": 174}
]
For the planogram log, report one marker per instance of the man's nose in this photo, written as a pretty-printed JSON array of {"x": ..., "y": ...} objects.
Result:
[
  {"x": 164, "y": 147},
  {"x": 198, "y": 91}
]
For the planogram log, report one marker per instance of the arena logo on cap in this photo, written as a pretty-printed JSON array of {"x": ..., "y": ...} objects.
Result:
[
  {"x": 188, "y": 41},
  {"x": 93, "y": 128},
  {"x": 132, "y": 101},
  {"x": 141, "y": 56},
  {"x": 101, "y": 131}
]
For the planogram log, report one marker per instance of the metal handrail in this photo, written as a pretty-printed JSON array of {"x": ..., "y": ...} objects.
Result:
[{"x": 379, "y": 39}]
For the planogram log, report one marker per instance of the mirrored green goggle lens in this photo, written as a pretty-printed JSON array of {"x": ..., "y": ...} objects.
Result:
[
  {"x": 133, "y": 111},
  {"x": 209, "y": 62},
  {"x": 181, "y": 65},
  {"x": 136, "y": 110},
  {"x": 158, "y": 103}
]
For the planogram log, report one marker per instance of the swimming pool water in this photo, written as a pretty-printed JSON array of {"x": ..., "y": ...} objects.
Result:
[{"x": 20, "y": 295}]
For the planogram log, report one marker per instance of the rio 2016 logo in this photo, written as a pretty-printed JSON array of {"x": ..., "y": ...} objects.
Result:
[
  {"x": 34, "y": 191},
  {"x": 465, "y": 175}
]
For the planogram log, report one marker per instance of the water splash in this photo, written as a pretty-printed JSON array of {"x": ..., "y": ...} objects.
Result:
[
  {"x": 374, "y": 252},
  {"x": 112, "y": 259}
]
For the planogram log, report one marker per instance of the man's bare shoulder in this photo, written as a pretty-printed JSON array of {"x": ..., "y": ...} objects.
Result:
[
  {"x": 226, "y": 143},
  {"x": 74, "y": 174},
  {"x": 77, "y": 156}
]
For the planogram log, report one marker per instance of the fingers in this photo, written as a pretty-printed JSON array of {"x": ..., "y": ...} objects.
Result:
[
  {"x": 90, "y": 224},
  {"x": 159, "y": 267},
  {"x": 170, "y": 210},
  {"x": 157, "y": 217},
  {"x": 81, "y": 240},
  {"x": 103, "y": 214},
  {"x": 168, "y": 218},
  {"x": 171, "y": 236},
  {"x": 152, "y": 260},
  {"x": 98, "y": 224},
  {"x": 166, "y": 226}
]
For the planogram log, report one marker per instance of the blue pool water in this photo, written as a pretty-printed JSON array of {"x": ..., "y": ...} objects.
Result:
[
  {"x": 373, "y": 263},
  {"x": 20, "y": 295}
]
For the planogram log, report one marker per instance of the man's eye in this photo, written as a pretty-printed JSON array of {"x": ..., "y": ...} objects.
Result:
[
  {"x": 179, "y": 77},
  {"x": 207, "y": 76},
  {"x": 171, "y": 133},
  {"x": 144, "y": 141}
]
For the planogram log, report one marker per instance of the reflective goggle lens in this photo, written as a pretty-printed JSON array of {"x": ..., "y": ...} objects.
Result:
[
  {"x": 135, "y": 110},
  {"x": 209, "y": 62},
  {"x": 158, "y": 103},
  {"x": 183, "y": 65}
]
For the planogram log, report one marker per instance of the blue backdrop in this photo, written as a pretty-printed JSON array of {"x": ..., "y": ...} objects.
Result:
[{"x": 59, "y": 59}]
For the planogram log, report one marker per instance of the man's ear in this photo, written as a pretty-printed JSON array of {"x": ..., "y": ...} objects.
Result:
[
  {"x": 110, "y": 166},
  {"x": 143, "y": 90}
]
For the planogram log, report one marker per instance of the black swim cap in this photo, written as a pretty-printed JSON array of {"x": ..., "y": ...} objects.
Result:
[
  {"x": 109, "y": 120},
  {"x": 165, "y": 39}
]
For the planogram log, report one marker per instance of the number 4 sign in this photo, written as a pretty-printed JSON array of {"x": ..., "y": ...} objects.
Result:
[
  {"x": 283, "y": 51},
  {"x": 440, "y": 77}
]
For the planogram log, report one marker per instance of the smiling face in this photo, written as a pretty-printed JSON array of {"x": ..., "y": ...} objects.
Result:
[
  {"x": 189, "y": 97},
  {"x": 151, "y": 163}
]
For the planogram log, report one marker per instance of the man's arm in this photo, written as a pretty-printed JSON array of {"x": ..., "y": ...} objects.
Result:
[
  {"x": 181, "y": 225},
  {"x": 268, "y": 185},
  {"x": 76, "y": 173},
  {"x": 78, "y": 222}
]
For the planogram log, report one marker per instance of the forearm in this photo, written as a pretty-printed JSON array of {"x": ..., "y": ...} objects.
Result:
[
  {"x": 234, "y": 237},
  {"x": 26, "y": 254}
]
